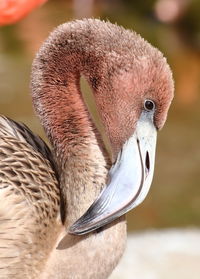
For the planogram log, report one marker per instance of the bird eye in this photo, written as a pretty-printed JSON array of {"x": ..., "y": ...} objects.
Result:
[{"x": 149, "y": 105}]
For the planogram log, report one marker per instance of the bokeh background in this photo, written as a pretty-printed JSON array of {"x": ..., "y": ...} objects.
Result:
[{"x": 171, "y": 25}]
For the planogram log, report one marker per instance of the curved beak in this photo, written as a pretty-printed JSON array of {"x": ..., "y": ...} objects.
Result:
[{"x": 130, "y": 179}]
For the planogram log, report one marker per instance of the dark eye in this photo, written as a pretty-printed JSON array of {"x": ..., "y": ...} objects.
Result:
[{"x": 149, "y": 105}]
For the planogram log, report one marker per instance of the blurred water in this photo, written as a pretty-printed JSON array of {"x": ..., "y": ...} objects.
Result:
[{"x": 161, "y": 254}]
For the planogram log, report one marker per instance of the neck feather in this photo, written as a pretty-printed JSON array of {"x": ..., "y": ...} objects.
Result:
[{"x": 77, "y": 145}]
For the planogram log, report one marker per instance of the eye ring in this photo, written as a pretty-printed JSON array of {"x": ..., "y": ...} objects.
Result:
[{"x": 149, "y": 105}]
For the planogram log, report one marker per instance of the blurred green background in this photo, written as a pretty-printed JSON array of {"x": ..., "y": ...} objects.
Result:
[{"x": 171, "y": 25}]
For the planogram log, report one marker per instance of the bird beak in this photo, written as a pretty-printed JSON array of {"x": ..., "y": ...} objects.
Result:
[{"x": 130, "y": 179}]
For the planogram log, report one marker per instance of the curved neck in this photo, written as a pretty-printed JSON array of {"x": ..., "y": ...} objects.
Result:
[
  {"x": 73, "y": 50},
  {"x": 59, "y": 103},
  {"x": 63, "y": 114}
]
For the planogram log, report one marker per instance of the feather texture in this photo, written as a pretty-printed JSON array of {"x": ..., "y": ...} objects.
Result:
[{"x": 29, "y": 194}]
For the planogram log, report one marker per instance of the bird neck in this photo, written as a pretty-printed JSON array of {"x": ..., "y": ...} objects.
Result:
[
  {"x": 83, "y": 176},
  {"x": 77, "y": 144}
]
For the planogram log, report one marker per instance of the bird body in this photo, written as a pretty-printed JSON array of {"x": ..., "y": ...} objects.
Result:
[
  {"x": 43, "y": 193},
  {"x": 30, "y": 221},
  {"x": 29, "y": 196}
]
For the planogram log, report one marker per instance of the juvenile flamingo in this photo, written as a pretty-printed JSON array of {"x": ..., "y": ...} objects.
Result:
[{"x": 46, "y": 228}]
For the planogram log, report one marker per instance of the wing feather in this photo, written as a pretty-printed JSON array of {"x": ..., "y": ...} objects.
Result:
[
  {"x": 29, "y": 200},
  {"x": 20, "y": 131}
]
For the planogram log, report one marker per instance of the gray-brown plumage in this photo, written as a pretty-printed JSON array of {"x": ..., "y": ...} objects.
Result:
[
  {"x": 43, "y": 193},
  {"x": 29, "y": 196}
]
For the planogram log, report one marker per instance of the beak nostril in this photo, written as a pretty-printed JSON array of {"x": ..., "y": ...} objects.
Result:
[{"x": 147, "y": 163}]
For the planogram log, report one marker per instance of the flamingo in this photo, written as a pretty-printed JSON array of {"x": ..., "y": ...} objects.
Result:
[
  {"x": 12, "y": 11},
  {"x": 62, "y": 211}
]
